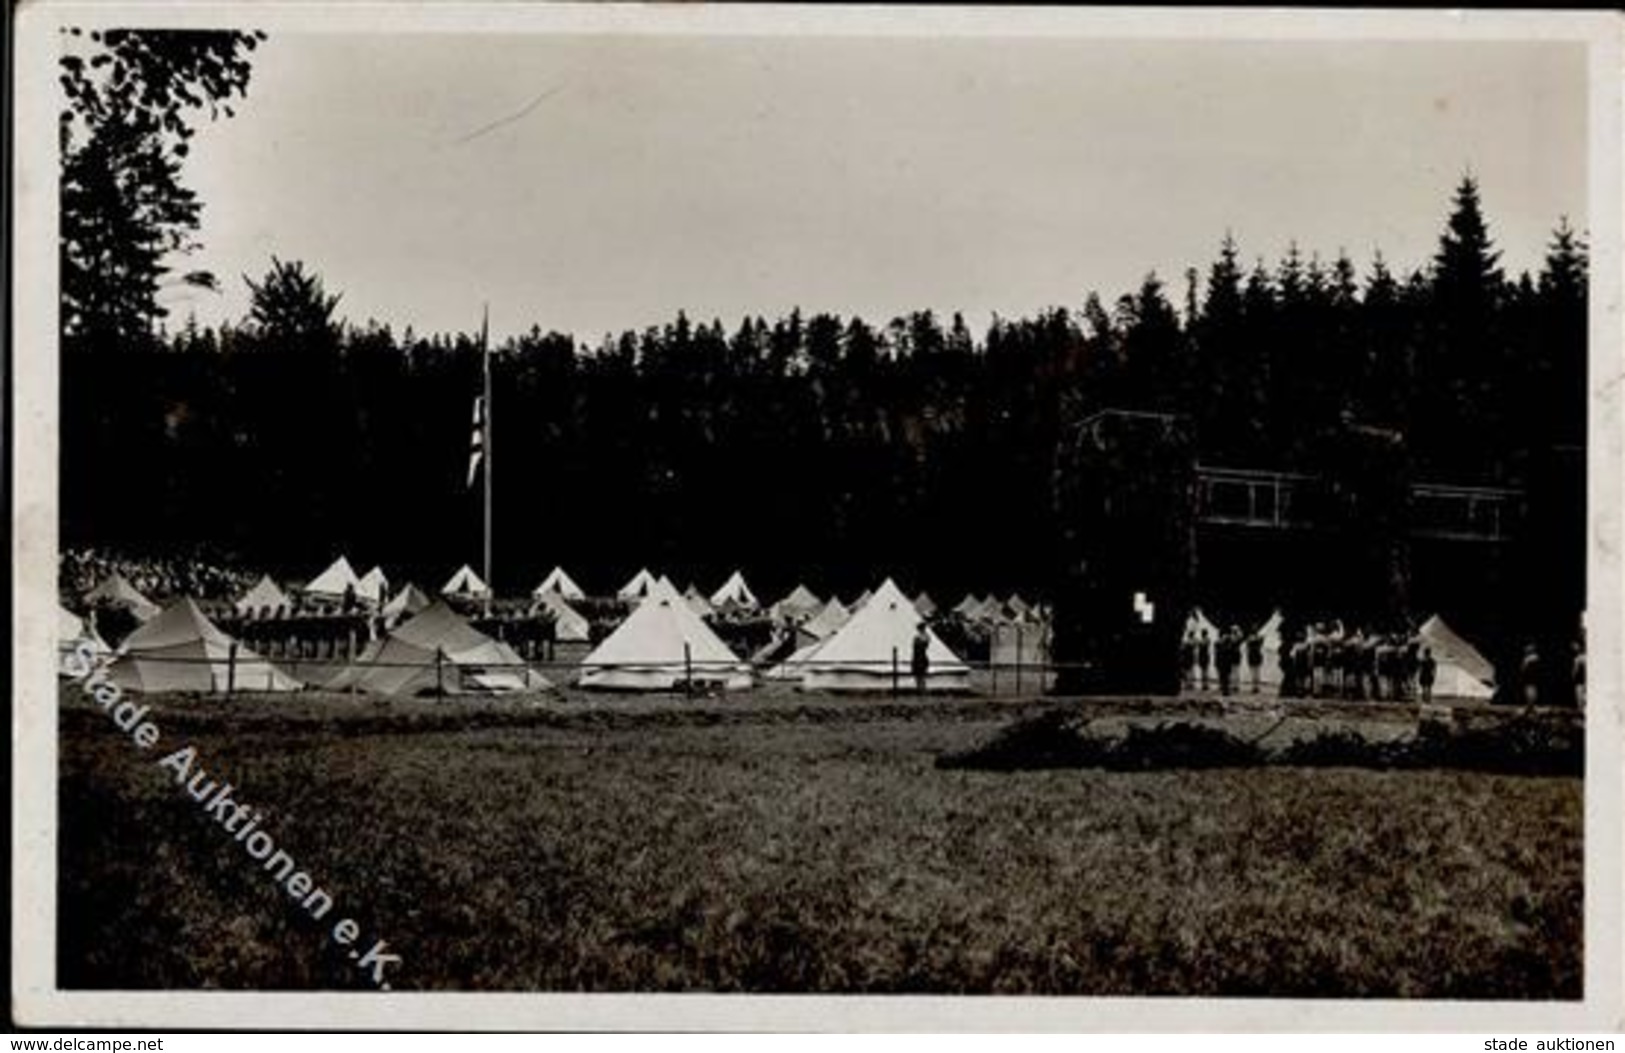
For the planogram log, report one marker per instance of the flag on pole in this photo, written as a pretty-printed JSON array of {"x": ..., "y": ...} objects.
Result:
[{"x": 476, "y": 446}]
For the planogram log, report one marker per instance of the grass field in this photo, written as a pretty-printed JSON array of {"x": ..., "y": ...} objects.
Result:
[{"x": 786, "y": 844}]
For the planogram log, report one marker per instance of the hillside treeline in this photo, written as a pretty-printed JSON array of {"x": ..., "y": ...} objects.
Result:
[{"x": 806, "y": 447}]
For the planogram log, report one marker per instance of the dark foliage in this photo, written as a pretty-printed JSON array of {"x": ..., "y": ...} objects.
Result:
[
  {"x": 824, "y": 448},
  {"x": 133, "y": 97},
  {"x": 1525, "y": 743}
]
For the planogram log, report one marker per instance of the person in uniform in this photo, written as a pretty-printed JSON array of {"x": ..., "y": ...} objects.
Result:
[
  {"x": 1255, "y": 657},
  {"x": 1529, "y": 673},
  {"x": 1426, "y": 669},
  {"x": 920, "y": 661}
]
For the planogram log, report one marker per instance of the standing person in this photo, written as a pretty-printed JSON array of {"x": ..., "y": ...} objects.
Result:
[
  {"x": 1225, "y": 652},
  {"x": 1187, "y": 660},
  {"x": 920, "y": 662},
  {"x": 1578, "y": 671},
  {"x": 1529, "y": 670},
  {"x": 1255, "y": 656},
  {"x": 1410, "y": 663},
  {"x": 1426, "y": 668},
  {"x": 1354, "y": 665},
  {"x": 1204, "y": 656},
  {"x": 1295, "y": 667},
  {"x": 1383, "y": 659},
  {"x": 1317, "y": 661}
]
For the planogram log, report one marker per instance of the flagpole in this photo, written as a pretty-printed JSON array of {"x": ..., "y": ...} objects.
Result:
[{"x": 485, "y": 355}]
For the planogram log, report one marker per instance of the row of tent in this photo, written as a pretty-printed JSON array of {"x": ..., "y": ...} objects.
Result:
[
  {"x": 661, "y": 645},
  {"x": 1461, "y": 670},
  {"x": 555, "y": 593}
]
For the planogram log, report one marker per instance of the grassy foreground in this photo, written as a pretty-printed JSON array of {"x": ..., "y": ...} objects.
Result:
[{"x": 771, "y": 844}]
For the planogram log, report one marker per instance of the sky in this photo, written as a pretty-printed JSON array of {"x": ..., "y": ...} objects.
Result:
[{"x": 591, "y": 184}]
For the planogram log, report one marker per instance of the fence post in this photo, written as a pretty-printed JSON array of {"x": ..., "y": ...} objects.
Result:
[
  {"x": 894, "y": 672},
  {"x": 439, "y": 672},
  {"x": 688, "y": 669},
  {"x": 1018, "y": 658},
  {"x": 231, "y": 669}
]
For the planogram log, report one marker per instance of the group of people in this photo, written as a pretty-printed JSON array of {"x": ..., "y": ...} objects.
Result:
[
  {"x": 1329, "y": 662},
  {"x": 1322, "y": 661},
  {"x": 1208, "y": 660},
  {"x": 81, "y": 570}
]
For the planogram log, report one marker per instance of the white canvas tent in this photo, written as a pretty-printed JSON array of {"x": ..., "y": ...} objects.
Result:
[
  {"x": 925, "y": 604},
  {"x": 407, "y": 602},
  {"x": 1197, "y": 623},
  {"x": 569, "y": 626},
  {"x": 265, "y": 595},
  {"x": 641, "y": 585},
  {"x": 1018, "y": 607},
  {"x": 116, "y": 591},
  {"x": 656, "y": 646},
  {"x": 465, "y": 583},
  {"x": 373, "y": 587},
  {"x": 1462, "y": 672},
  {"x": 179, "y": 649},
  {"x": 862, "y": 599},
  {"x": 828, "y": 621},
  {"x": 405, "y": 662},
  {"x": 1269, "y": 674},
  {"x": 698, "y": 603},
  {"x": 800, "y": 603},
  {"x": 72, "y": 629},
  {"x": 969, "y": 606},
  {"x": 734, "y": 593},
  {"x": 334, "y": 580},
  {"x": 876, "y": 644},
  {"x": 561, "y": 584}
]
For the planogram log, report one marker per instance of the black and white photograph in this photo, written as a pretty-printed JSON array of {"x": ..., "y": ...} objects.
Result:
[{"x": 1088, "y": 512}]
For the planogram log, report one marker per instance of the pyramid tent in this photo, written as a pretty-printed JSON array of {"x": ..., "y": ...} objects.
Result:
[
  {"x": 864, "y": 597},
  {"x": 734, "y": 593},
  {"x": 71, "y": 629},
  {"x": 800, "y": 603},
  {"x": 569, "y": 626},
  {"x": 469, "y": 662},
  {"x": 1462, "y": 672},
  {"x": 181, "y": 650},
  {"x": 561, "y": 584},
  {"x": 1269, "y": 674},
  {"x": 925, "y": 605},
  {"x": 116, "y": 591},
  {"x": 967, "y": 607},
  {"x": 265, "y": 595},
  {"x": 640, "y": 586},
  {"x": 373, "y": 587},
  {"x": 407, "y": 602},
  {"x": 877, "y": 642},
  {"x": 334, "y": 580},
  {"x": 465, "y": 583},
  {"x": 828, "y": 621},
  {"x": 1197, "y": 623},
  {"x": 1018, "y": 607},
  {"x": 646, "y": 652},
  {"x": 698, "y": 603}
]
